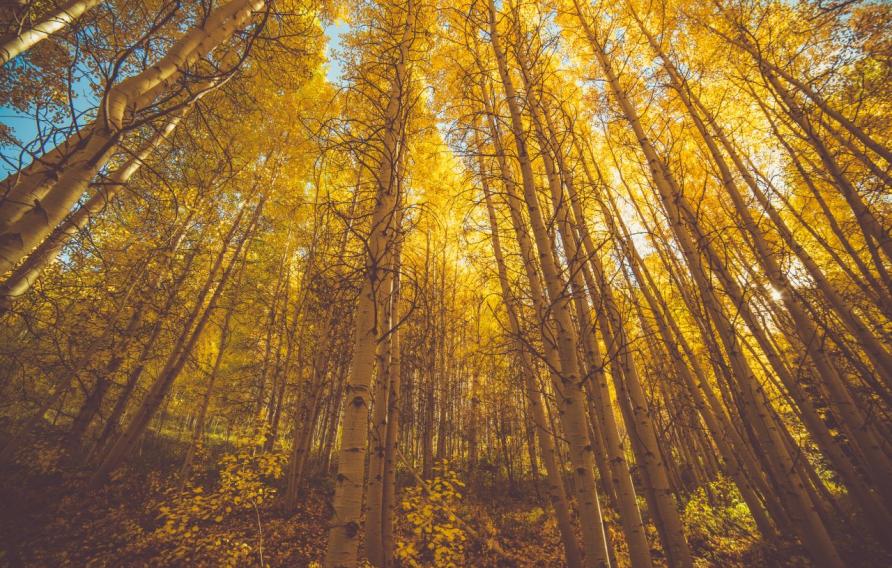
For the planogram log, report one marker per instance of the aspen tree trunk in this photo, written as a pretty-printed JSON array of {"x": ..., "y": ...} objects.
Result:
[
  {"x": 21, "y": 280},
  {"x": 624, "y": 370},
  {"x": 281, "y": 381},
  {"x": 474, "y": 422},
  {"x": 265, "y": 422},
  {"x": 538, "y": 295},
  {"x": 12, "y": 47},
  {"x": 743, "y": 42},
  {"x": 343, "y": 538},
  {"x": 110, "y": 430},
  {"x": 778, "y": 278},
  {"x": 427, "y": 415},
  {"x": 272, "y": 317},
  {"x": 389, "y": 502},
  {"x": 38, "y": 197},
  {"x": 809, "y": 525},
  {"x": 192, "y": 330},
  {"x": 882, "y": 288},
  {"x": 186, "y": 52},
  {"x": 731, "y": 447},
  {"x": 374, "y": 493},
  {"x": 805, "y": 327},
  {"x": 630, "y": 516},
  {"x": 549, "y": 433},
  {"x": 95, "y": 398},
  {"x": 41, "y": 216},
  {"x": 529, "y": 430},
  {"x": 442, "y": 372},
  {"x": 309, "y": 403},
  {"x": 733, "y": 393},
  {"x": 21, "y": 189},
  {"x": 650, "y": 456},
  {"x": 867, "y": 220},
  {"x": 839, "y": 397},
  {"x": 289, "y": 331},
  {"x": 873, "y": 348},
  {"x": 308, "y": 411},
  {"x": 572, "y": 397},
  {"x": 555, "y": 484},
  {"x": 333, "y": 414}
]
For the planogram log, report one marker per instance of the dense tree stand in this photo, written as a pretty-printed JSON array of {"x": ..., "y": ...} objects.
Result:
[{"x": 411, "y": 283}]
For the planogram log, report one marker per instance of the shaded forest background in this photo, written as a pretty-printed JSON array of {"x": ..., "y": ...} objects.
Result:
[{"x": 470, "y": 283}]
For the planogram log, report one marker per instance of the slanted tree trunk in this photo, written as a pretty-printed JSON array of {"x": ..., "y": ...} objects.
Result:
[
  {"x": 13, "y": 46},
  {"x": 555, "y": 484},
  {"x": 39, "y": 197},
  {"x": 192, "y": 330},
  {"x": 808, "y": 523}
]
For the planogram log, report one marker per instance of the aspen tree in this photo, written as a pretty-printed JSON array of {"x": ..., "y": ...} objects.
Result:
[
  {"x": 814, "y": 532},
  {"x": 805, "y": 327},
  {"x": 389, "y": 501},
  {"x": 572, "y": 398},
  {"x": 556, "y": 491},
  {"x": 49, "y": 24},
  {"x": 38, "y": 197},
  {"x": 630, "y": 516},
  {"x": 192, "y": 330},
  {"x": 343, "y": 540},
  {"x": 199, "y": 428},
  {"x": 25, "y": 274}
]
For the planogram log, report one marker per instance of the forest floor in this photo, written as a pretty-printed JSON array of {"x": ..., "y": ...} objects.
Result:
[{"x": 50, "y": 516}]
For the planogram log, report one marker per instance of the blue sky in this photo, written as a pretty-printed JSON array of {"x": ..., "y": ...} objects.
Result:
[{"x": 334, "y": 33}]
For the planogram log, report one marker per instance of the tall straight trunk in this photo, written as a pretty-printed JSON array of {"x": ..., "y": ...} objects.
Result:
[
  {"x": 630, "y": 516},
  {"x": 572, "y": 399},
  {"x": 278, "y": 401},
  {"x": 343, "y": 537},
  {"x": 808, "y": 524},
  {"x": 426, "y": 416},
  {"x": 271, "y": 339},
  {"x": 534, "y": 280},
  {"x": 308, "y": 410},
  {"x": 389, "y": 502},
  {"x": 374, "y": 494},
  {"x": 555, "y": 484},
  {"x": 571, "y": 224}
]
